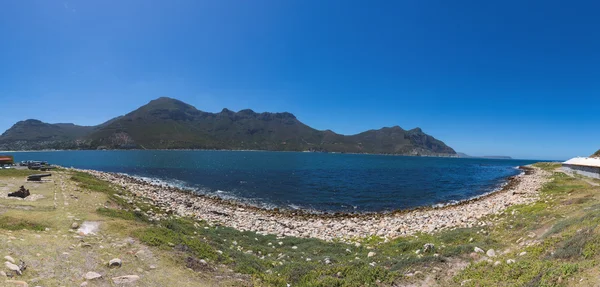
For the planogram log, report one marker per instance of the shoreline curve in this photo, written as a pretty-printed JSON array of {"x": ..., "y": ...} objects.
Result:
[{"x": 519, "y": 189}]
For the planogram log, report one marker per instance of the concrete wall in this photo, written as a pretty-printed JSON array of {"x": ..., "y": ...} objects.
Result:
[{"x": 588, "y": 171}]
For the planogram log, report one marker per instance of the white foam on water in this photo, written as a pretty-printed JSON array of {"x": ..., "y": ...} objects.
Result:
[
  {"x": 222, "y": 194},
  {"x": 498, "y": 188}
]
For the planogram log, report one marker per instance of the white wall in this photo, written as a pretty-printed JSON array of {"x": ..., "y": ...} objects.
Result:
[{"x": 583, "y": 170}]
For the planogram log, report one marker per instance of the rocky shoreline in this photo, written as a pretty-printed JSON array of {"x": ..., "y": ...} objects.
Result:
[{"x": 521, "y": 189}]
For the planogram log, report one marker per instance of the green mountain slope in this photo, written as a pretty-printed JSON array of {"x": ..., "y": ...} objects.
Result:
[
  {"x": 34, "y": 134},
  {"x": 167, "y": 123},
  {"x": 597, "y": 154}
]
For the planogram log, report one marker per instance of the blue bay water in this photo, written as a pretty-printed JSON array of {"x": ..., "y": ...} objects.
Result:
[{"x": 316, "y": 181}]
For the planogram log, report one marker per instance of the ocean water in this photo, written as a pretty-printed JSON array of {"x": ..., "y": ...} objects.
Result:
[{"x": 295, "y": 180}]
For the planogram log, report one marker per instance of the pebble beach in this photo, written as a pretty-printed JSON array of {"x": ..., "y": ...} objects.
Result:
[{"x": 520, "y": 189}]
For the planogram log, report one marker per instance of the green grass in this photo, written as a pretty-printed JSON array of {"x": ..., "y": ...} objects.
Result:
[
  {"x": 10, "y": 223},
  {"x": 18, "y": 172},
  {"x": 568, "y": 241},
  {"x": 123, "y": 214},
  {"x": 89, "y": 182},
  {"x": 273, "y": 264},
  {"x": 572, "y": 248},
  {"x": 548, "y": 166}
]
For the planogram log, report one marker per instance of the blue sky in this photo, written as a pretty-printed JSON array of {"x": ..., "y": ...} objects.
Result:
[{"x": 518, "y": 78}]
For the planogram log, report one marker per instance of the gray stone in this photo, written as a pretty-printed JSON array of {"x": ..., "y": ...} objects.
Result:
[
  {"x": 371, "y": 254},
  {"x": 125, "y": 279},
  {"x": 115, "y": 262},
  {"x": 75, "y": 225},
  {"x": 491, "y": 253},
  {"x": 12, "y": 260},
  {"x": 16, "y": 283},
  {"x": 428, "y": 247},
  {"x": 91, "y": 275},
  {"x": 12, "y": 267},
  {"x": 479, "y": 250}
]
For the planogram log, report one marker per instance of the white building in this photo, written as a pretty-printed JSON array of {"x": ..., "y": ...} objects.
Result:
[{"x": 585, "y": 166}]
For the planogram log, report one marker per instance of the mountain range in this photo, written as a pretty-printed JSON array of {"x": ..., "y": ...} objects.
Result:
[{"x": 167, "y": 123}]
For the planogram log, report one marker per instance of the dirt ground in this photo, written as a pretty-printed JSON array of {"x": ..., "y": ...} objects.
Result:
[{"x": 56, "y": 251}]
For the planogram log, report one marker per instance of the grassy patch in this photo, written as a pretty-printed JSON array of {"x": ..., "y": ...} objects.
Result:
[
  {"x": 573, "y": 247},
  {"x": 561, "y": 233},
  {"x": 11, "y": 223},
  {"x": 17, "y": 172},
  {"x": 276, "y": 261},
  {"x": 91, "y": 183},
  {"x": 122, "y": 214},
  {"x": 548, "y": 166}
]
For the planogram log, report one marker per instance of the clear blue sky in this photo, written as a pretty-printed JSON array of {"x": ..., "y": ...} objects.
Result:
[{"x": 518, "y": 78}]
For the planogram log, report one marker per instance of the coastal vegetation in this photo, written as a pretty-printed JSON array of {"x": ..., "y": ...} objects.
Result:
[
  {"x": 167, "y": 123},
  {"x": 551, "y": 242}
]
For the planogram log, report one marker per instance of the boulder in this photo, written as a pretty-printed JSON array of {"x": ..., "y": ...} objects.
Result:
[
  {"x": 428, "y": 247},
  {"x": 115, "y": 262},
  {"x": 16, "y": 283},
  {"x": 491, "y": 253},
  {"x": 12, "y": 260},
  {"x": 125, "y": 279},
  {"x": 91, "y": 275},
  {"x": 12, "y": 267}
]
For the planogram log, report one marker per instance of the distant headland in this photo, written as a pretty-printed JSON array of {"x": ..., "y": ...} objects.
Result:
[{"x": 464, "y": 155}]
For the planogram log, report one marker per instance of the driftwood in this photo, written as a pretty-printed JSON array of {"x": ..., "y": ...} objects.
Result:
[
  {"x": 22, "y": 193},
  {"x": 37, "y": 177}
]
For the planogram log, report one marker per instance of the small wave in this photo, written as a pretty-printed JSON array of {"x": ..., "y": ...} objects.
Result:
[
  {"x": 163, "y": 182},
  {"x": 221, "y": 194},
  {"x": 494, "y": 190},
  {"x": 267, "y": 204}
]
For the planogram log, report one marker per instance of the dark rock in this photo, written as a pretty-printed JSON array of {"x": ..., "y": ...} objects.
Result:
[
  {"x": 197, "y": 264},
  {"x": 22, "y": 193}
]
